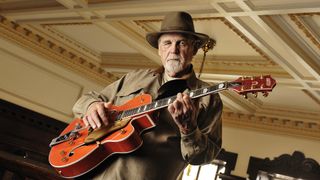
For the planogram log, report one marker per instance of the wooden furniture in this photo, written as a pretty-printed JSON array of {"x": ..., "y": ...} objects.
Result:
[
  {"x": 24, "y": 143},
  {"x": 295, "y": 165}
]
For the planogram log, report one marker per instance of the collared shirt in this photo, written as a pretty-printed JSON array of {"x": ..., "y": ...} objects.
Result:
[{"x": 165, "y": 151}]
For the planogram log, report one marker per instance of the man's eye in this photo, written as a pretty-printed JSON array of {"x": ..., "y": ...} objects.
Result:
[{"x": 182, "y": 43}]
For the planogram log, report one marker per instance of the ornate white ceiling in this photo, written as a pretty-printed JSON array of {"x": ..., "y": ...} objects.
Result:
[{"x": 103, "y": 39}]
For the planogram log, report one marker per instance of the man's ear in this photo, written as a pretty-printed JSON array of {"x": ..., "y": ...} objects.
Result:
[
  {"x": 195, "y": 50},
  {"x": 196, "y": 46}
]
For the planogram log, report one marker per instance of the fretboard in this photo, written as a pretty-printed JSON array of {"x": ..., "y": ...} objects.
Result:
[{"x": 162, "y": 103}]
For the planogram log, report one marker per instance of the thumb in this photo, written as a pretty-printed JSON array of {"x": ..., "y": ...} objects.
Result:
[{"x": 107, "y": 105}]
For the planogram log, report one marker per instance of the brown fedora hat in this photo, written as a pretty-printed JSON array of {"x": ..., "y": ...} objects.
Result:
[{"x": 177, "y": 22}]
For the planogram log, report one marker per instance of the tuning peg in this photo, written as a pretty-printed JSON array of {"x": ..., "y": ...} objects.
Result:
[
  {"x": 255, "y": 94},
  {"x": 245, "y": 96},
  {"x": 265, "y": 93}
]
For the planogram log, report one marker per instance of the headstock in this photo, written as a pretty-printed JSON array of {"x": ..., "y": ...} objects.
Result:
[{"x": 254, "y": 84}]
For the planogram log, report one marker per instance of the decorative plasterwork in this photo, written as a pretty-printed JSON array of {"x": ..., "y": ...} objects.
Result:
[
  {"x": 65, "y": 40},
  {"x": 213, "y": 64},
  {"x": 242, "y": 36},
  {"x": 53, "y": 52},
  {"x": 273, "y": 125},
  {"x": 126, "y": 60},
  {"x": 211, "y": 60},
  {"x": 295, "y": 18}
]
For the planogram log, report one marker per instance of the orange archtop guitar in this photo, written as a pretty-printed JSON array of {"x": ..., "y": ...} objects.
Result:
[{"x": 80, "y": 149}]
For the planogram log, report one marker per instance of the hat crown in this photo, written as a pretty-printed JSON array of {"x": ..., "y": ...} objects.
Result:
[{"x": 177, "y": 21}]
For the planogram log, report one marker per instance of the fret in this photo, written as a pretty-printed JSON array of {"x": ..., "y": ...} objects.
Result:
[
  {"x": 131, "y": 112},
  {"x": 119, "y": 116},
  {"x": 161, "y": 102},
  {"x": 149, "y": 106}
]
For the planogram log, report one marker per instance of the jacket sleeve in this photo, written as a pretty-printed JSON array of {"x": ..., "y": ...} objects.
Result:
[
  {"x": 203, "y": 144},
  {"x": 107, "y": 94}
]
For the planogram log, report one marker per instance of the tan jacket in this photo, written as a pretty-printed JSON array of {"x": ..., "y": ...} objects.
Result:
[{"x": 165, "y": 152}]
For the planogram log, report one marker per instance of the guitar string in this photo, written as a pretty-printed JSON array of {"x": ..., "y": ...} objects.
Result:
[{"x": 166, "y": 101}]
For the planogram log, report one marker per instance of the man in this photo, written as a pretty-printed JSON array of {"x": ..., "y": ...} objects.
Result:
[{"x": 188, "y": 131}]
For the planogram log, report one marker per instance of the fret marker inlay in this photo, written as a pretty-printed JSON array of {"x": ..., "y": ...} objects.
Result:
[{"x": 205, "y": 90}]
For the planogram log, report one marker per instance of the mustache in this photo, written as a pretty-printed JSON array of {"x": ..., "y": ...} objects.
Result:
[{"x": 174, "y": 58}]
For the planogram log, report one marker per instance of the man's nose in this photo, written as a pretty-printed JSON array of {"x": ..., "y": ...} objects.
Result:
[{"x": 174, "y": 48}]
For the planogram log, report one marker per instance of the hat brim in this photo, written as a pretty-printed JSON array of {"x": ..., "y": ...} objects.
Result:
[{"x": 153, "y": 38}]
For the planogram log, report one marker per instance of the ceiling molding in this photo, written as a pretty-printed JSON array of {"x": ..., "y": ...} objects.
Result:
[
  {"x": 287, "y": 127},
  {"x": 134, "y": 10},
  {"x": 126, "y": 61},
  {"x": 292, "y": 114},
  {"x": 53, "y": 52},
  {"x": 213, "y": 64},
  {"x": 296, "y": 43},
  {"x": 297, "y": 20},
  {"x": 124, "y": 32},
  {"x": 248, "y": 41},
  {"x": 57, "y": 37},
  {"x": 271, "y": 43}
]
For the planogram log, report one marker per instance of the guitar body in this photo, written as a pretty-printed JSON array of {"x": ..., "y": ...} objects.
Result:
[{"x": 75, "y": 157}]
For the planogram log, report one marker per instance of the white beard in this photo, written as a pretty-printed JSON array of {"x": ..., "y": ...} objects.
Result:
[{"x": 173, "y": 67}]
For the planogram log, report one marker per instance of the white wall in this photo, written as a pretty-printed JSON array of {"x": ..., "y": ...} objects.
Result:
[{"x": 33, "y": 82}]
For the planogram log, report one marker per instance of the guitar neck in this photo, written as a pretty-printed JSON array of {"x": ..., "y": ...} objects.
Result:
[{"x": 162, "y": 103}]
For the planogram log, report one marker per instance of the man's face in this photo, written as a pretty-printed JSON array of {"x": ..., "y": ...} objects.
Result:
[{"x": 176, "y": 52}]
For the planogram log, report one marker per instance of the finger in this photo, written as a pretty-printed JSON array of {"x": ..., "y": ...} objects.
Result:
[
  {"x": 96, "y": 118},
  {"x": 85, "y": 121},
  {"x": 189, "y": 106},
  {"x": 179, "y": 97},
  {"x": 107, "y": 105},
  {"x": 102, "y": 114},
  {"x": 91, "y": 122},
  {"x": 110, "y": 115},
  {"x": 178, "y": 102},
  {"x": 177, "y": 107},
  {"x": 182, "y": 108},
  {"x": 171, "y": 109},
  {"x": 184, "y": 105}
]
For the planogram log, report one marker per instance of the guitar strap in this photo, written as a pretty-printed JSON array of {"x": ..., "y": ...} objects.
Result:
[{"x": 172, "y": 88}]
